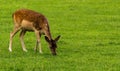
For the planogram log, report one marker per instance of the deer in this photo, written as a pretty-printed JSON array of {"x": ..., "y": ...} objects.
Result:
[{"x": 26, "y": 20}]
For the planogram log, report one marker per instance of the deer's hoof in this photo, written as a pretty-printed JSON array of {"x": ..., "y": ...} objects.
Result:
[
  {"x": 40, "y": 52},
  {"x": 10, "y": 50},
  {"x": 25, "y": 50}
]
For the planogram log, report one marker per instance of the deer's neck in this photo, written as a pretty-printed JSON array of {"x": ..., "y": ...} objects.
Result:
[
  {"x": 49, "y": 36},
  {"x": 47, "y": 33}
]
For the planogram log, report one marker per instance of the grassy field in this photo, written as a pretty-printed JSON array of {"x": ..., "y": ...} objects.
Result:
[{"x": 89, "y": 29}]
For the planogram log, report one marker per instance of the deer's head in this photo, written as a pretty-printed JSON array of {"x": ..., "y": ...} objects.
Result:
[{"x": 52, "y": 44}]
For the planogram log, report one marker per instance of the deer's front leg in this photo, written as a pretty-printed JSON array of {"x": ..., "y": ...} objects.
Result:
[{"x": 38, "y": 43}]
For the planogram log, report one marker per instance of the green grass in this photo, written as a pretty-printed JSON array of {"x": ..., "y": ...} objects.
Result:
[{"x": 89, "y": 29}]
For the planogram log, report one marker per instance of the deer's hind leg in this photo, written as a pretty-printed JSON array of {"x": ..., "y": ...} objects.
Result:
[
  {"x": 15, "y": 30},
  {"x": 22, "y": 33}
]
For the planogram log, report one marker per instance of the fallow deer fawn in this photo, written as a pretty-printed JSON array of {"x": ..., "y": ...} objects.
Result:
[{"x": 28, "y": 20}]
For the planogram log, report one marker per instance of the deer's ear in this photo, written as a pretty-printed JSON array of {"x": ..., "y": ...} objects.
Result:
[
  {"x": 46, "y": 38},
  {"x": 56, "y": 39}
]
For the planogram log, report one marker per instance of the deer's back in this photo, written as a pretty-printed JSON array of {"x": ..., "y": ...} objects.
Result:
[{"x": 38, "y": 20}]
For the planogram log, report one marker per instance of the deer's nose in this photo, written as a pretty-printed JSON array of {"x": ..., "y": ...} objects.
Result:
[{"x": 54, "y": 54}]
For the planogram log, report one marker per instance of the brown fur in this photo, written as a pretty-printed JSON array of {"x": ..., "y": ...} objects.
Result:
[
  {"x": 28, "y": 20},
  {"x": 38, "y": 19}
]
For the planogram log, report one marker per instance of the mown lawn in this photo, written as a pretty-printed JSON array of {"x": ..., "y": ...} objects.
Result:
[{"x": 89, "y": 29}]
